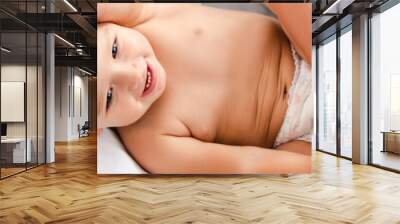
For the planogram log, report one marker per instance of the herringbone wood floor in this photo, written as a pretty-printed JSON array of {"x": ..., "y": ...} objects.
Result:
[{"x": 70, "y": 191}]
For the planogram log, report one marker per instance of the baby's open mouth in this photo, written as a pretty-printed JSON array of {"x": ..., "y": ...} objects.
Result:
[{"x": 149, "y": 81}]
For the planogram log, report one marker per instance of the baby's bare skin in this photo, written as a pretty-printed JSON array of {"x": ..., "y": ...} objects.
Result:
[{"x": 228, "y": 76}]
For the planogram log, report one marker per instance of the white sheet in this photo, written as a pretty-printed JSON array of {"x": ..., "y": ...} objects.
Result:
[{"x": 112, "y": 157}]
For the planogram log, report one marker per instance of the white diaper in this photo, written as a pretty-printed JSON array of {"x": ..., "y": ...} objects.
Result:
[{"x": 298, "y": 122}]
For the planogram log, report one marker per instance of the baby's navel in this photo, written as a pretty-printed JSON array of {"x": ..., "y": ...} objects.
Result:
[{"x": 198, "y": 31}]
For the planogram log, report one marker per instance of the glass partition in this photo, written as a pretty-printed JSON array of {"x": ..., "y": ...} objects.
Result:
[
  {"x": 14, "y": 153},
  {"x": 22, "y": 90}
]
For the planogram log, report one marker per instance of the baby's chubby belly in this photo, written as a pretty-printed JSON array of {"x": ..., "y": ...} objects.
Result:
[{"x": 254, "y": 113}]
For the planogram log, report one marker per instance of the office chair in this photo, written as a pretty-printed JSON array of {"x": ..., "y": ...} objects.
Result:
[{"x": 84, "y": 130}]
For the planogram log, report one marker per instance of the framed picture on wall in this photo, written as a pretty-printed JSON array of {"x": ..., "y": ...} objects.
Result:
[{"x": 12, "y": 101}]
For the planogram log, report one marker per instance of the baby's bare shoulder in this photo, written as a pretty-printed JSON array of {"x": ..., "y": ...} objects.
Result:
[{"x": 152, "y": 126}]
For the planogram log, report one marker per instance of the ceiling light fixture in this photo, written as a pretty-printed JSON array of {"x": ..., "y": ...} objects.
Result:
[
  {"x": 329, "y": 9},
  {"x": 84, "y": 71},
  {"x": 65, "y": 41},
  {"x": 70, "y": 5},
  {"x": 79, "y": 51},
  {"x": 5, "y": 50},
  {"x": 337, "y": 7}
]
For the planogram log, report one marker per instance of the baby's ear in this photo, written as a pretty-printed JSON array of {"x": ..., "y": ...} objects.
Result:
[{"x": 99, "y": 131}]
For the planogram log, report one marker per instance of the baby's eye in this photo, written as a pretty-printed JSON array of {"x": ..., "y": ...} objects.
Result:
[
  {"x": 109, "y": 98},
  {"x": 114, "y": 49}
]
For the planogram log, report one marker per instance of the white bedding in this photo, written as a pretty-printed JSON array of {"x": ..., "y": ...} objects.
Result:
[{"x": 112, "y": 157}]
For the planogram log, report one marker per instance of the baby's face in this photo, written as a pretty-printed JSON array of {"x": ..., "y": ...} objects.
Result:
[{"x": 130, "y": 78}]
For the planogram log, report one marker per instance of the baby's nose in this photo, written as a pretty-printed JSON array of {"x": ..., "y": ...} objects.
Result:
[{"x": 131, "y": 75}]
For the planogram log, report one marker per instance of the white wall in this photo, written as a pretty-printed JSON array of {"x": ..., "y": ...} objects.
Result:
[
  {"x": 70, "y": 83},
  {"x": 80, "y": 84},
  {"x": 62, "y": 81}
]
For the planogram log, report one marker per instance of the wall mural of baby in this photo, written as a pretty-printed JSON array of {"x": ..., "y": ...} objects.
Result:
[{"x": 192, "y": 89}]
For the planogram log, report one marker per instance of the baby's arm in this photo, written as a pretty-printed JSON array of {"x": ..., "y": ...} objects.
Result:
[
  {"x": 296, "y": 21},
  {"x": 186, "y": 155},
  {"x": 296, "y": 146}
]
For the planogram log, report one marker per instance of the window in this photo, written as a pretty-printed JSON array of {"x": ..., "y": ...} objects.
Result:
[
  {"x": 346, "y": 75},
  {"x": 385, "y": 88},
  {"x": 394, "y": 102},
  {"x": 327, "y": 96}
]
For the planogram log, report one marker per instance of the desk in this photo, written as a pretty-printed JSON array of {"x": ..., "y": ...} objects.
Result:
[
  {"x": 15, "y": 148},
  {"x": 391, "y": 141}
]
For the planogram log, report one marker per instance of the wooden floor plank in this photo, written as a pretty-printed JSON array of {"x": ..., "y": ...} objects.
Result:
[{"x": 70, "y": 191}]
